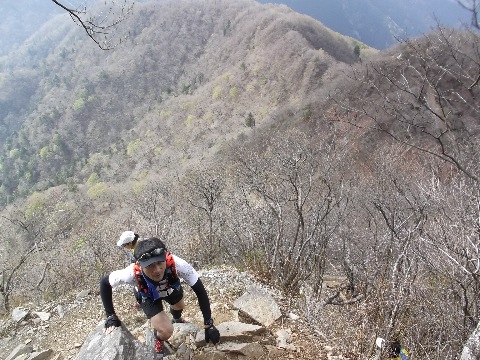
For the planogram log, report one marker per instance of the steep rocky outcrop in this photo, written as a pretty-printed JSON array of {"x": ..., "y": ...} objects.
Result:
[{"x": 255, "y": 322}]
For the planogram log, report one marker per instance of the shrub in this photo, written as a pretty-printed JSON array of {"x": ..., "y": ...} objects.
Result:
[
  {"x": 217, "y": 92},
  {"x": 79, "y": 104},
  {"x": 97, "y": 191},
  {"x": 132, "y": 147}
]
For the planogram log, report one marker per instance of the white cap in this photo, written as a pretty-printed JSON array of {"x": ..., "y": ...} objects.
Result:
[
  {"x": 125, "y": 238},
  {"x": 379, "y": 342}
]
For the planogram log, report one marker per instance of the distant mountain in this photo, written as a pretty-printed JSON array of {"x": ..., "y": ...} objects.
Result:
[
  {"x": 20, "y": 19},
  {"x": 186, "y": 76},
  {"x": 378, "y": 22}
]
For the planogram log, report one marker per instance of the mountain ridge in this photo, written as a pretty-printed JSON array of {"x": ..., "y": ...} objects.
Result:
[
  {"x": 381, "y": 23},
  {"x": 188, "y": 78},
  {"x": 267, "y": 142}
]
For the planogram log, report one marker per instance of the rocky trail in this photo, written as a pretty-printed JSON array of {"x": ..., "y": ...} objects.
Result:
[{"x": 255, "y": 322}]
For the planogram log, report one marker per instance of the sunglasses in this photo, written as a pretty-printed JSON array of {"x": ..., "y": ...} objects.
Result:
[{"x": 150, "y": 254}]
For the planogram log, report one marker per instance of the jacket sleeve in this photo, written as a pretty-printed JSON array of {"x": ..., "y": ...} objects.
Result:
[
  {"x": 185, "y": 271},
  {"x": 191, "y": 277},
  {"x": 203, "y": 300},
  {"x": 123, "y": 276},
  {"x": 106, "y": 296},
  {"x": 118, "y": 277}
]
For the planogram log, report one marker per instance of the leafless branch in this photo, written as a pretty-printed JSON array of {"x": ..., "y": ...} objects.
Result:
[{"x": 96, "y": 26}]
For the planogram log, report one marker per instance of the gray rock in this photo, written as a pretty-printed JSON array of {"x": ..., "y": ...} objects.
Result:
[
  {"x": 118, "y": 345},
  {"x": 19, "y": 350},
  {"x": 23, "y": 357},
  {"x": 471, "y": 350},
  {"x": 181, "y": 331},
  {"x": 60, "y": 311},
  {"x": 250, "y": 350},
  {"x": 283, "y": 339},
  {"x": 184, "y": 352},
  {"x": 233, "y": 331},
  {"x": 19, "y": 314},
  {"x": 44, "y": 316},
  {"x": 293, "y": 316},
  {"x": 82, "y": 294},
  {"x": 259, "y": 305},
  {"x": 41, "y": 355}
]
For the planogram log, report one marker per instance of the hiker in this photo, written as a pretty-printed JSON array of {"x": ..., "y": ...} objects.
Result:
[
  {"x": 397, "y": 352},
  {"x": 128, "y": 240},
  {"x": 157, "y": 274}
]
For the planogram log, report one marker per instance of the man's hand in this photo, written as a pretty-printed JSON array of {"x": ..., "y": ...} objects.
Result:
[
  {"x": 212, "y": 334},
  {"x": 111, "y": 323}
]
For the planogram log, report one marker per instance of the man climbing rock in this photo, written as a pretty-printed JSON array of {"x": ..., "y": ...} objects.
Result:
[{"x": 157, "y": 274}]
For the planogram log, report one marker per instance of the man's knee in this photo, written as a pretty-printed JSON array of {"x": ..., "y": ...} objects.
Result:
[
  {"x": 164, "y": 333},
  {"x": 162, "y": 323}
]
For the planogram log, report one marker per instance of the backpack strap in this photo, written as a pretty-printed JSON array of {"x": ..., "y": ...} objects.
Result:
[
  {"x": 171, "y": 265},
  {"x": 171, "y": 271},
  {"x": 141, "y": 283}
]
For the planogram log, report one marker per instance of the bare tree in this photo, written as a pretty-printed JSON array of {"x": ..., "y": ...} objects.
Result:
[
  {"x": 424, "y": 96},
  {"x": 473, "y": 6},
  {"x": 203, "y": 191},
  {"x": 153, "y": 202},
  {"x": 44, "y": 219},
  {"x": 296, "y": 209},
  {"x": 101, "y": 27},
  {"x": 452, "y": 236}
]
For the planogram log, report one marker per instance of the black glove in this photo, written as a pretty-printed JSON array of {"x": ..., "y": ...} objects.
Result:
[
  {"x": 112, "y": 320},
  {"x": 212, "y": 334}
]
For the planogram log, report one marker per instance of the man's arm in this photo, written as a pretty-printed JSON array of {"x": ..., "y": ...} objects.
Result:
[
  {"x": 106, "y": 296},
  {"x": 191, "y": 277},
  {"x": 116, "y": 278},
  {"x": 211, "y": 332},
  {"x": 203, "y": 300}
]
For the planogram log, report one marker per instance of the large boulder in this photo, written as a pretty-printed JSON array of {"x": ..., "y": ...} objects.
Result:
[
  {"x": 259, "y": 305},
  {"x": 118, "y": 345}
]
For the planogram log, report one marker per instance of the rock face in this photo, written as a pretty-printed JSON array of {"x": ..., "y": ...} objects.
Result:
[
  {"x": 18, "y": 351},
  {"x": 119, "y": 345}
]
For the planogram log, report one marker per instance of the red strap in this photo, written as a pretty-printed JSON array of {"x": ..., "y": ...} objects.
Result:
[{"x": 137, "y": 271}]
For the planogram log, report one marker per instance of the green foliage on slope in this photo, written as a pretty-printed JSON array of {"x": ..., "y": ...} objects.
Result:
[{"x": 176, "y": 55}]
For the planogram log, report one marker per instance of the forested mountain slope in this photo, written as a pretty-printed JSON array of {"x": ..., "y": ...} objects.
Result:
[
  {"x": 181, "y": 85},
  {"x": 250, "y": 135}
]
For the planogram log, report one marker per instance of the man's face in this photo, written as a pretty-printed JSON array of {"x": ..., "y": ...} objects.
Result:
[
  {"x": 128, "y": 246},
  {"x": 155, "y": 271}
]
